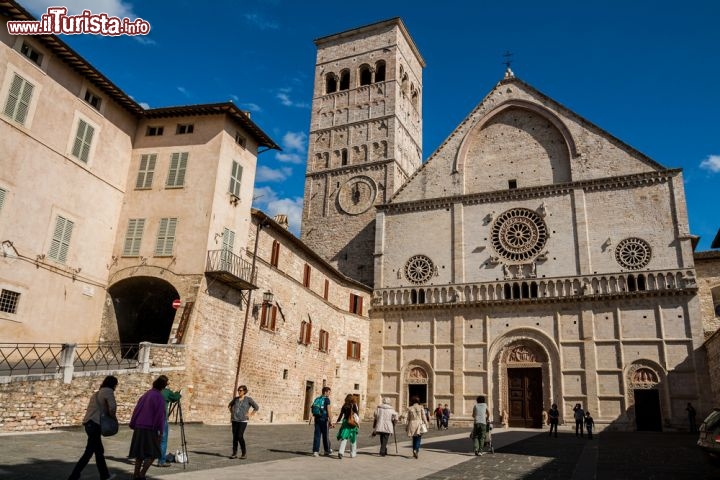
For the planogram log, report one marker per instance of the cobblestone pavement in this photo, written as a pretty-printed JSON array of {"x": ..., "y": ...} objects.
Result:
[{"x": 283, "y": 451}]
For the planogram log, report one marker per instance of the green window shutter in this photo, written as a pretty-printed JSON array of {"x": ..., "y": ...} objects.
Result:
[
  {"x": 166, "y": 237},
  {"x": 228, "y": 240},
  {"x": 146, "y": 171},
  {"x": 83, "y": 140},
  {"x": 60, "y": 243},
  {"x": 133, "y": 237},
  {"x": 176, "y": 173},
  {"x": 18, "y": 101},
  {"x": 235, "y": 178}
]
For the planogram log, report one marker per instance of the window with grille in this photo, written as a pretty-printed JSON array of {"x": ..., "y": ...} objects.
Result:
[
  {"x": 183, "y": 129},
  {"x": 60, "y": 243},
  {"x": 356, "y": 302},
  {"x": 9, "y": 301},
  {"x": 94, "y": 100},
  {"x": 235, "y": 177},
  {"x": 83, "y": 141},
  {"x": 353, "y": 350},
  {"x": 268, "y": 317},
  {"x": 146, "y": 171},
  {"x": 154, "y": 131},
  {"x": 323, "y": 341},
  {"x": 176, "y": 173},
  {"x": 166, "y": 237},
  {"x": 275, "y": 254},
  {"x": 306, "y": 276},
  {"x": 133, "y": 237},
  {"x": 17, "y": 104},
  {"x": 305, "y": 332},
  {"x": 30, "y": 52}
]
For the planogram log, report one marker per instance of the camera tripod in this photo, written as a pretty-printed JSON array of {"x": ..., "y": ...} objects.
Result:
[{"x": 176, "y": 408}]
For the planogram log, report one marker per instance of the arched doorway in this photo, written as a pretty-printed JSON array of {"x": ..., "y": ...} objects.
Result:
[
  {"x": 523, "y": 366},
  {"x": 645, "y": 396},
  {"x": 143, "y": 308},
  {"x": 416, "y": 384}
]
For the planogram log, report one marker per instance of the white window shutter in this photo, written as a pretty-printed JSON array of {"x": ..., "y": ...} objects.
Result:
[{"x": 13, "y": 96}]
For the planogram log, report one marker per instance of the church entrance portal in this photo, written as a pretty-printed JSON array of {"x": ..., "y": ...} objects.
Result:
[
  {"x": 525, "y": 397},
  {"x": 647, "y": 410},
  {"x": 420, "y": 391}
]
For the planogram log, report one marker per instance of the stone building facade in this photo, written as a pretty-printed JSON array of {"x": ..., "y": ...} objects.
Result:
[
  {"x": 707, "y": 265},
  {"x": 365, "y": 139}
]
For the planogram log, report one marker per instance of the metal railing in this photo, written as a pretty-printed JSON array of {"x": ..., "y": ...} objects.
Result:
[
  {"x": 105, "y": 356},
  {"x": 30, "y": 358},
  {"x": 226, "y": 261}
]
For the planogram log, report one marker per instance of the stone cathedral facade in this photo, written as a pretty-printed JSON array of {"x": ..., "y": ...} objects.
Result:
[{"x": 533, "y": 258}]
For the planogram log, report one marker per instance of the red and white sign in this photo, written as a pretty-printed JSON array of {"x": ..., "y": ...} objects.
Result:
[{"x": 176, "y": 303}]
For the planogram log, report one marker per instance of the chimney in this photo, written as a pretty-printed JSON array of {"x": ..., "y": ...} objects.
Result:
[{"x": 282, "y": 220}]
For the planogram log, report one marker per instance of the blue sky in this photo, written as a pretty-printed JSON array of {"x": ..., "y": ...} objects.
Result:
[{"x": 645, "y": 71}]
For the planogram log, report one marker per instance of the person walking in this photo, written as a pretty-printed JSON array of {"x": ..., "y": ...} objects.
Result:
[
  {"x": 384, "y": 421},
  {"x": 416, "y": 424},
  {"x": 481, "y": 417},
  {"x": 148, "y": 423},
  {"x": 589, "y": 424},
  {"x": 102, "y": 401},
  {"x": 439, "y": 416},
  {"x": 553, "y": 419},
  {"x": 446, "y": 417},
  {"x": 579, "y": 414},
  {"x": 240, "y": 414},
  {"x": 349, "y": 415},
  {"x": 170, "y": 396},
  {"x": 691, "y": 417},
  {"x": 321, "y": 414}
]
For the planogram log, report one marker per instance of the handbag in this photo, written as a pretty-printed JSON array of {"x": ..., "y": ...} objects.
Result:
[
  {"x": 108, "y": 425},
  {"x": 423, "y": 428}
]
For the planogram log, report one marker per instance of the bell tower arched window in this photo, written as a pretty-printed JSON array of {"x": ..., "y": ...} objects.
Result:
[
  {"x": 330, "y": 83},
  {"x": 380, "y": 71},
  {"x": 365, "y": 75},
  {"x": 344, "y": 80}
]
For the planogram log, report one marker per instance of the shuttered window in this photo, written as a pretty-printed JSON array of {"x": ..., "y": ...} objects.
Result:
[
  {"x": 3, "y": 192},
  {"x": 235, "y": 177},
  {"x": 268, "y": 317},
  {"x": 356, "y": 302},
  {"x": 306, "y": 276},
  {"x": 83, "y": 141},
  {"x": 326, "y": 290},
  {"x": 146, "y": 171},
  {"x": 60, "y": 243},
  {"x": 305, "y": 332},
  {"x": 323, "y": 341},
  {"x": 166, "y": 237},
  {"x": 226, "y": 255},
  {"x": 176, "y": 173},
  {"x": 17, "y": 104},
  {"x": 275, "y": 255},
  {"x": 133, "y": 237},
  {"x": 353, "y": 350}
]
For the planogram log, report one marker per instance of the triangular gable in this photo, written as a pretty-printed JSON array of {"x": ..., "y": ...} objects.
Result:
[{"x": 576, "y": 149}]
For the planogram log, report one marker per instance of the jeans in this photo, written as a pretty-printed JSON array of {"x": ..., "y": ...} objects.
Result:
[
  {"x": 163, "y": 443},
  {"x": 553, "y": 426},
  {"x": 384, "y": 437},
  {"x": 321, "y": 430},
  {"x": 439, "y": 422},
  {"x": 238, "y": 431},
  {"x": 479, "y": 430},
  {"x": 578, "y": 428},
  {"x": 94, "y": 447},
  {"x": 416, "y": 442}
]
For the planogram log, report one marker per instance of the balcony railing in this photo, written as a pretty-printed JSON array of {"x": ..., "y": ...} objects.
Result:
[
  {"x": 539, "y": 289},
  {"x": 226, "y": 267}
]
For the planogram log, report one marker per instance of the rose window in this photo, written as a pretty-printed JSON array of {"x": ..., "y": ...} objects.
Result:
[
  {"x": 633, "y": 253},
  {"x": 419, "y": 269},
  {"x": 519, "y": 234}
]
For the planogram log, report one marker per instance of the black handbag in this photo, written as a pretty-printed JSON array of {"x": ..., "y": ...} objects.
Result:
[{"x": 108, "y": 425}]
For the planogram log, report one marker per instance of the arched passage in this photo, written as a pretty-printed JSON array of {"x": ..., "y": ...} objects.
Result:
[{"x": 143, "y": 308}]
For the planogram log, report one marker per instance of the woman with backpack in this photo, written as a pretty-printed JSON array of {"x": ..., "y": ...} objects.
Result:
[{"x": 349, "y": 414}]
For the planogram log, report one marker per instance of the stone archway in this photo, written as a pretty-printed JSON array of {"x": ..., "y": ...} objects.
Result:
[
  {"x": 646, "y": 396},
  {"x": 416, "y": 381},
  {"x": 524, "y": 373}
]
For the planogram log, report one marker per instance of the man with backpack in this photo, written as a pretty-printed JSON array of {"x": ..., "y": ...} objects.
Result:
[{"x": 321, "y": 414}]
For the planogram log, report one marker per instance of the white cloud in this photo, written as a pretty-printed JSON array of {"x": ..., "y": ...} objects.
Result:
[
  {"x": 183, "y": 90},
  {"x": 289, "y": 158},
  {"x": 295, "y": 142},
  {"x": 712, "y": 163},
  {"x": 144, "y": 39},
  {"x": 267, "y": 200},
  {"x": 260, "y": 22},
  {"x": 252, "y": 107},
  {"x": 114, "y": 8},
  {"x": 285, "y": 99},
  {"x": 267, "y": 174}
]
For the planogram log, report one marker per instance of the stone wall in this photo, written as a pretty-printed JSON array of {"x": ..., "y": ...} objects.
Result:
[
  {"x": 712, "y": 346},
  {"x": 707, "y": 266}
]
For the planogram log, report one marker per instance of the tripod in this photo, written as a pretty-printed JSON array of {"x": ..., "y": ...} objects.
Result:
[{"x": 176, "y": 408}]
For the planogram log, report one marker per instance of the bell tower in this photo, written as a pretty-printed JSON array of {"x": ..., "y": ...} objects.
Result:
[{"x": 365, "y": 139}]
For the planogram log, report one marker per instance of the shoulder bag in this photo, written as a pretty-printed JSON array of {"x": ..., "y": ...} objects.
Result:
[{"x": 108, "y": 425}]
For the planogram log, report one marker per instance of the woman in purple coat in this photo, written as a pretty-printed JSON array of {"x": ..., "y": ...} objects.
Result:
[{"x": 148, "y": 422}]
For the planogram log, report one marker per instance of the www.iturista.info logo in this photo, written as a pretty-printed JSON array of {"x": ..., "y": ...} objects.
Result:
[{"x": 57, "y": 21}]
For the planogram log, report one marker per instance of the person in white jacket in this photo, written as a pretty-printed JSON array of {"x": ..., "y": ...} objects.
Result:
[{"x": 384, "y": 422}]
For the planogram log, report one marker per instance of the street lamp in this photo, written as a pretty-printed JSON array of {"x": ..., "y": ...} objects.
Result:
[{"x": 267, "y": 296}]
